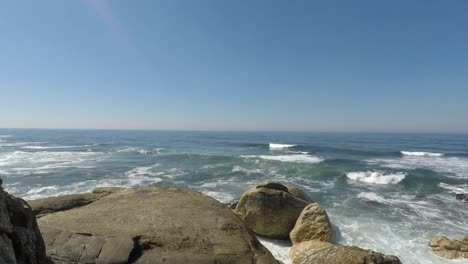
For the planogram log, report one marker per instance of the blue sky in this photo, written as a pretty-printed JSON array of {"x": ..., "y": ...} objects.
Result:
[{"x": 235, "y": 65}]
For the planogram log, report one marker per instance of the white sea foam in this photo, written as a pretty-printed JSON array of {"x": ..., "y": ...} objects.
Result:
[
  {"x": 41, "y": 192},
  {"x": 299, "y": 158},
  {"x": 460, "y": 188},
  {"x": 144, "y": 171},
  {"x": 43, "y": 162},
  {"x": 220, "y": 196},
  {"x": 371, "y": 196},
  {"x": 153, "y": 173},
  {"x": 2, "y": 137},
  {"x": 450, "y": 166},
  {"x": 278, "y": 248},
  {"x": 142, "y": 151},
  {"x": 49, "y": 147},
  {"x": 237, "y": 168},
  {"x": 401, "y": 228},
  {"x": 421, "y": 154},
  {"x": 275, "y": 146},
  {"x": 376, "y": 177}
]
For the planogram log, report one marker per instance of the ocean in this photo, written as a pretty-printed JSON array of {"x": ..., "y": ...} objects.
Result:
[{"x": 387, "y": 192}]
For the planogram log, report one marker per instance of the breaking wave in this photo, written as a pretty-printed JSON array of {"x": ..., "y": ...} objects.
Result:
[
  {"x": 376, "y": 177},
  {"x": 450, "y": 166},
  {"x": 299, "y": 158},
  {"x": 142, "y": 151},
  {"x": 421, "y": 154},
  {"x": 275, "y": 146}
]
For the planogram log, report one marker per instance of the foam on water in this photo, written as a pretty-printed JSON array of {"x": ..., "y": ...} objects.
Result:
[
  {"x": 421, "y": 154},
  {"x": 276, "y": 146},
  {"x": 299, "y": 158},
  {"x": 376, "y": 177},
  {"x": 151, "y": 175},
  {"x": 461, "y": 188},
  {"x": 142, "y": 151},
  {"x": 401, "y": 225},
  {"x": 220, "y": 196},
  {"x": 278, "y": 248},
  {"x": 43, "y": 162},
  {"x": 450, "y": 166},
  {"x": 237, "y": 168},
  {"x": 49, "y": 147},
  {"x": 2, "y": 137}
]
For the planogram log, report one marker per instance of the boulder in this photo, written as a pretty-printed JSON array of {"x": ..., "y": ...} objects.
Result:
[
  {"x": 450, "y": 248},
  {"x": 462, "y": 197},
  {"x": 311, "y": 252},
  {"x": 20, "y": 239},
  {"x": 66, "y": 202},
  {"x": 312, "y": 224},
  {"x": 292, "y": 189},
  {"x": 270, "y": 210},
  {"x": 165, "y": 225}
]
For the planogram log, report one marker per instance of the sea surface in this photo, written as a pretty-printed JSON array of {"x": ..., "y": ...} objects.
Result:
[{"x": 387, "y": 192}]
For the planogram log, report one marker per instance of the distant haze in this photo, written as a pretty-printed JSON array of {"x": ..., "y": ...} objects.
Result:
[{"x": 383, "y": 66}]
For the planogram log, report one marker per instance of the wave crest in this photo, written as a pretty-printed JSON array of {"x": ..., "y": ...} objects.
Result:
[
  {"x": 376, "y": 177},
  {"x": 276, "y": 146},
  {"x": 421, "y": 153},
  {"x": 299, "y": 158}
]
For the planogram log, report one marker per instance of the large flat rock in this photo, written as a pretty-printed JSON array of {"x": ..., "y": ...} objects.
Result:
[{"x": 168, "y": 225}]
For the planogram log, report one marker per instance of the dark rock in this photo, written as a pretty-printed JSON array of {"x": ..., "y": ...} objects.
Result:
[
  {"x": 20, "y": 239},
  {"x": 298, "y": 193},
  {"x": 274, "y": 186},
  {"x": 462, "y": 197}
]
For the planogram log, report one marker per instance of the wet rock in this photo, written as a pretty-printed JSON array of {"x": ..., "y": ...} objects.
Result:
[
  {"x": 312, "y": 224},
  {"x": 270, "y": 210},
  {"x": 462, "y": 197},
  {"x": 312, "y": 252},
  {"x": 450, "y": 248}
]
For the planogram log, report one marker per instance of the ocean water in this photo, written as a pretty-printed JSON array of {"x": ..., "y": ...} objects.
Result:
[{"x": 386, "y": 192}]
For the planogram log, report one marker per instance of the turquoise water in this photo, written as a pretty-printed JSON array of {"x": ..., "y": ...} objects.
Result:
[{"x": 376, "y": 196}]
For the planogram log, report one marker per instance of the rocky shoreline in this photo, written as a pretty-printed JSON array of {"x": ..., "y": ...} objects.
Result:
[{"x": 155, "y": 224}]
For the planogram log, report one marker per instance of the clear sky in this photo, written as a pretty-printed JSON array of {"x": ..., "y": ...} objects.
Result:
[{"x": 235, "y": 65}]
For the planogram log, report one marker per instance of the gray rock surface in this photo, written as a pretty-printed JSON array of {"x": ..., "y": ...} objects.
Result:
[
  {"x": 167, "y": 225},
  {"x": 66, "y": 247},
  {"x": 66, "y": 202},
  {"x": 314, "y": 252},
  {"x": 270, "y": 210}
]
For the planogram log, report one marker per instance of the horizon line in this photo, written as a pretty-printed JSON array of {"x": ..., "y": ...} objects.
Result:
[{"x": 241, "y": 130}]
